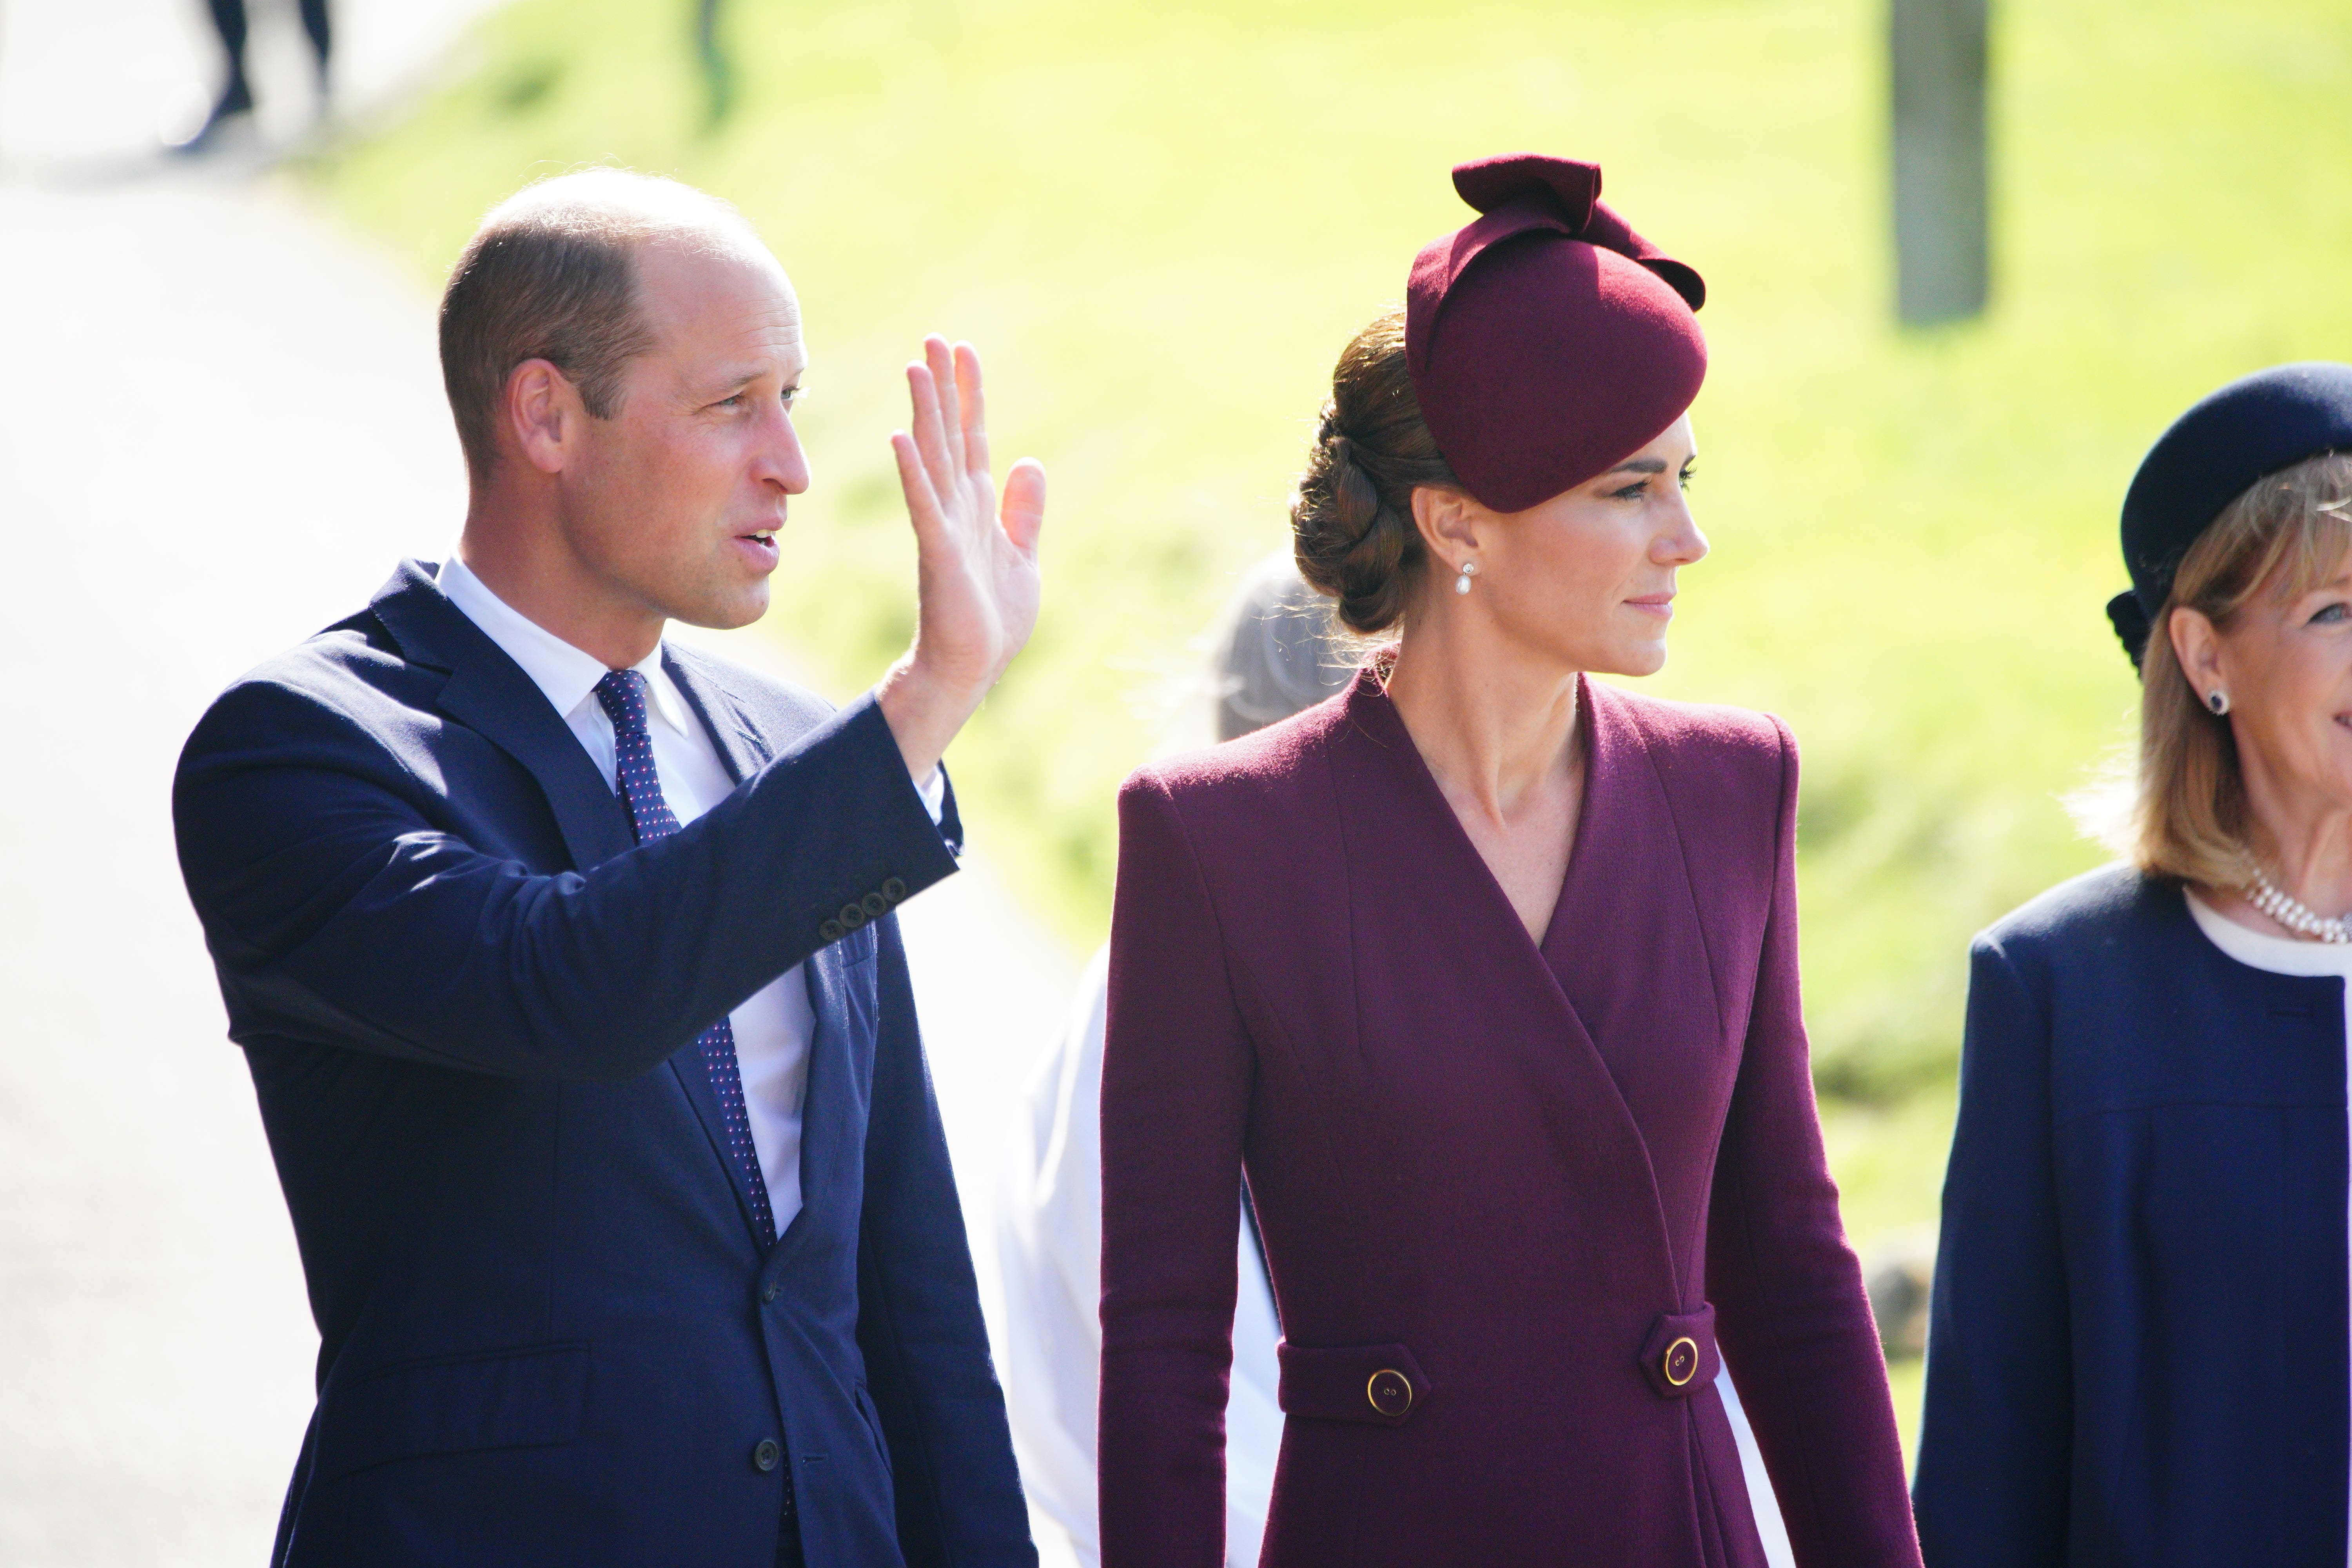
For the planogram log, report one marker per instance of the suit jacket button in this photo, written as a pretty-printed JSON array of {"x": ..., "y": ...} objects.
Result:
[
  {"x": 769, "y": 1293},
  {"x": 833, "y": 931},
  {"x": 874, "y": 905},
  {"x": 1390, "y": 1391},
  {"x": 895, "y": 891},
  {"x": 768, "y": 1454},
  {"x": 852, "y": 916}
]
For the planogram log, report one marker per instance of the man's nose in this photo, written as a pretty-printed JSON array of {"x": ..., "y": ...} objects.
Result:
[{"x": 783, "y": 462}]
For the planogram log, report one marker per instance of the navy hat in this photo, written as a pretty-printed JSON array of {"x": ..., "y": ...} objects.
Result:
[{"x": 2249, "y": 430}]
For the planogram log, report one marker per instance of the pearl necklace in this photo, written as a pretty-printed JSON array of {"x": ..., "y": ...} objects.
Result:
[{"x": 2296, "y": 917}]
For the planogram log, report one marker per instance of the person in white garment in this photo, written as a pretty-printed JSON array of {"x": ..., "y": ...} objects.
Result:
[
  {"x": 1275, "y": 655},
  {"x": 2139, "y": 1349}
]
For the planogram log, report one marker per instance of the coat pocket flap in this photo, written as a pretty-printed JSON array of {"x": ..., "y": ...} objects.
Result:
[
  {"x": 1382, "y": 1385},
  {"x": 505, "y": 1399}
]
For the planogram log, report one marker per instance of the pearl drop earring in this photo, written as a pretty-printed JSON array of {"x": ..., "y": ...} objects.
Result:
[{"x": 1469, "y": 570}]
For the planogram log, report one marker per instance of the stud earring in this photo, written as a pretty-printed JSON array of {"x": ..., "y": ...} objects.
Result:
[
  {"x": 1469, "y": 570},
  {"x": 2219, "y": 702}
]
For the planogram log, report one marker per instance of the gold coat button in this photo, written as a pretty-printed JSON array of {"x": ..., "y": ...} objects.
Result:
[
  {"x": 1390, "y": 1391},
  {"x": 1682, "y": 1361}
]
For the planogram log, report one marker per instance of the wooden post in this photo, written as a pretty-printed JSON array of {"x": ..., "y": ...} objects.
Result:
[
  {"x": 1937, "y": 50},
  {"x": 718, "y": 70}
]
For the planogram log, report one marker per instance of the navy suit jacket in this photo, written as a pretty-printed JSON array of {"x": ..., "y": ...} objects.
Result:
[
  {"x": 2138, "y": 1352},
  {"x": 547, "y": 1330}
]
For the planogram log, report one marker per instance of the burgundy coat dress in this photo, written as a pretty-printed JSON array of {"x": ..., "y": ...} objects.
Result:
[{"x": 1511, "y": 1196}]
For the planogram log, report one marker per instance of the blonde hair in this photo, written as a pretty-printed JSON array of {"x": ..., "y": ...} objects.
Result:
[{"x": 2185, "y": 819}]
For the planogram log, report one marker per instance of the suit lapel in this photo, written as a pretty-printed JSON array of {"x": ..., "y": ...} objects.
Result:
[
  {"x": 831, "y": 1105},
  {"x": 831, "y": 1101},
  {"x": 488, "y": 693},
  {"x": 742, "y": 751}
]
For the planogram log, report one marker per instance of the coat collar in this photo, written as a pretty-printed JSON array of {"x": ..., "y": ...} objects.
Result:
[
  {"x": 1392, "y": 797},
  {"x": 488, "y": 692}
]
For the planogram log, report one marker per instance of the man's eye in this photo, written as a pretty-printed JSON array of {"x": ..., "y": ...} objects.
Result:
[{"x": 2330, "y": 614}]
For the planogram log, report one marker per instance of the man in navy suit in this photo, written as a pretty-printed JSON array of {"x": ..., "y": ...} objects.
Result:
[{"x": 563, "y": 959}]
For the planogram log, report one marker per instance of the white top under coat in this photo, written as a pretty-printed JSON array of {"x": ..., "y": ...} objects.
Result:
[
  {"x": 773, "y": 1027},
  {"x": 2285, "y": 955}
]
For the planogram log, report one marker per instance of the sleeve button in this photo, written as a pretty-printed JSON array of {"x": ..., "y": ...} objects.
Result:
[
  {"x": 874, "y": 905},
  {"x": 833, "y": 931},
  {"x": 895, "y": 891},
  {"x": 852, "y": 917}
]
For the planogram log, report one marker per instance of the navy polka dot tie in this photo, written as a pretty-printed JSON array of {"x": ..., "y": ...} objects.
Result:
[{"x": 622, "y": 693}]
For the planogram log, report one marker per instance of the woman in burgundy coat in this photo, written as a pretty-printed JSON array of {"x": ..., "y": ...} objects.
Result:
[{"x": 1485, "y": 974}]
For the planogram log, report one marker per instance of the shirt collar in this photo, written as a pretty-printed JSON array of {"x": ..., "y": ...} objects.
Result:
[{"x": 565, "y": 674}]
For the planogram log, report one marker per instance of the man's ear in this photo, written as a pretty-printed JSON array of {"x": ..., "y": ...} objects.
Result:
[
  {"x": 544, "y": 415},
  {"x": 1449, "y": 524}
]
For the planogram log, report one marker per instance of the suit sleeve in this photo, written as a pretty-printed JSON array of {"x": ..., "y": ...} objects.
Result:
[
  {"x": 1995, "y": 1441},
  {"x": 919, "y": 1320},
  {"x": 1177, "y": 1073},
  {"x": 344, "y": 907},
  {"x": 1791, "y": 1314}
]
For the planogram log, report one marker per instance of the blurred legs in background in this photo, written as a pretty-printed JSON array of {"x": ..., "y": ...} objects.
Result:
[{"x": 235, "y": 104}]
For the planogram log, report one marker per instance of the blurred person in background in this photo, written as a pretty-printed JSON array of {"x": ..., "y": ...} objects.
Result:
[
  {"x": 233, "y": 107},
  {"x": 2138, "y": 1350},
  {"x": 1486, "y": 973},
  {"x": 1277, "y": 656},
  {"x": 565, "y": 962}
]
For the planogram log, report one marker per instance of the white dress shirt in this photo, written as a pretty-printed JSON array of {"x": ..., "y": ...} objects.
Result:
[
  {"x": 773, "y": 1027},
  {"x": 2285, "y": 955}
]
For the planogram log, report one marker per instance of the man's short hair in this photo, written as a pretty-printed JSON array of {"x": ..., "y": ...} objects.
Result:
[{"x": 551, "y": 274}]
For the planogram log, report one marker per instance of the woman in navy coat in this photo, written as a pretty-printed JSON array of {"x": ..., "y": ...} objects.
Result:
[
  {"x": 2138, "y": 1352},
  {"x": 1486, "y": 975}
]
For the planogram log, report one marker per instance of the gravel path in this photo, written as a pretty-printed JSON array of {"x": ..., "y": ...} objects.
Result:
[{"x": 220, "y": 424}]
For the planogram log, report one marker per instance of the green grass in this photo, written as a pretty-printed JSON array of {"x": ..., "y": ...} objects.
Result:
[{"x": 1161, "y": 223}]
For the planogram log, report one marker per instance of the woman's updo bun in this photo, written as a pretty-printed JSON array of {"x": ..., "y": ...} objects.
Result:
[{"x": 1352, "y": 517}]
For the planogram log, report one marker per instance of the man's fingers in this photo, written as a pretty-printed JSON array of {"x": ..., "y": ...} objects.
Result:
[
  {"x": 940, "y": 359},
  {"x": 1023, "y": 511},
  {"x": 928, "y": 430},
  {"x": 914, "y": 481},
  {"x": 975, "y": 409}
]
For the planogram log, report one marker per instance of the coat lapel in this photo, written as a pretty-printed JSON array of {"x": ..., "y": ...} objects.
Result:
[
  {"x": 739, "y": 752},
  {"x": 1442, "y": 883},
  {"x": 488, "y": 693},
  {"x": 832, "y": 1085}
]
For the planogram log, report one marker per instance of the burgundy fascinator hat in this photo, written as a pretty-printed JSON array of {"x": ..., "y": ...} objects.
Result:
[{"x": 1547, "y": 341}]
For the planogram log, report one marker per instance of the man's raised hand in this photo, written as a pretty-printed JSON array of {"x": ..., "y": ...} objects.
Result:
[{"x": 976, "y": 577}]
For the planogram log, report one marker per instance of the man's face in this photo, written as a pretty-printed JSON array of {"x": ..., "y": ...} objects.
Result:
[{"x": 677, "y": 499}]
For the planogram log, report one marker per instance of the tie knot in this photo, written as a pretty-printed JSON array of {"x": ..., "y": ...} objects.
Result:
[{"x": 622, "y": 693}]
